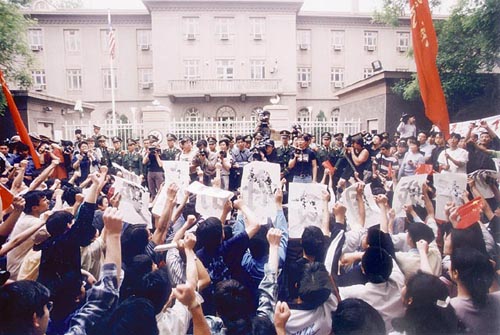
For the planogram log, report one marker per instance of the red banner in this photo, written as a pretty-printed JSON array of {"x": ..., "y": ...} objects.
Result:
[
  {"x": 18, "y": 121},
  {"x": 425, "y": 49}
]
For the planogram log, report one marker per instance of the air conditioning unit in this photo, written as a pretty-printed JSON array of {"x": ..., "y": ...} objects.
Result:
[
  {"x": 36, "y": 47},
  {"x": 146, "y": 85},
  {"x": 337, "y": 47},
  {"x": 38, "y": 87},
  {"x": 304, "y": 84},
  {"x": 144, "y": 47},
  {"x": 257, "y": 37},
  {"x": 191, "y": 37},
  {"x": 304, "y": 46},
  {"x": 370, "y": 48},
  {"x": 224, "y": 37},
  {"x": 402, "y": 49},
  {"x": 337, "y": 84}
]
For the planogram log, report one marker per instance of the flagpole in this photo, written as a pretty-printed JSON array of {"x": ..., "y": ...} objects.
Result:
[{"x": 112, "y": 73}]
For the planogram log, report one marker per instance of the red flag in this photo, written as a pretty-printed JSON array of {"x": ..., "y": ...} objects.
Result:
[
  {"x": 469, "y": 213},
  {"x": 6, "y": 197},
  {"x": 18, "y": 121},
  {"x": 424, "y": 169},
  {"x": 425, "y": 49},
  {"x": 328, "y": 165}
]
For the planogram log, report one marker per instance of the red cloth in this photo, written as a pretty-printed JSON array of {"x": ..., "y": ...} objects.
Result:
[
  {"x": 6, "y": 197},
  {"x": 18, "y": 121},
  {"x": 425, "y": 49}
]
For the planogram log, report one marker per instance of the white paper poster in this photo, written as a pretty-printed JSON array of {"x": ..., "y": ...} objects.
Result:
[
  {"x": 408, "y": 191},
  {"x": 259, "y": 183},
  {"x": 127, "y": 175},
  {"x": 350, "y": 201},
  {"x": 483, "y": 179},
  {"x": 449, "y": 188},
  {"x": 134, "y": 202},
  {"x": 209, "y": 200},
  {"x": 305, "y": 207},
  {"x": 177, "y": 172}
]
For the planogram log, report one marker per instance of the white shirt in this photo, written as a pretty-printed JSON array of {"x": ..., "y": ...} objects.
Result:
[
  {"x": 317, "y": 321},
  {"x": 407, "y": 130},
  {"x": 15, "y": 256},
  {"x": 384, "y": 297},
  {"x": 458, "y": 154}
]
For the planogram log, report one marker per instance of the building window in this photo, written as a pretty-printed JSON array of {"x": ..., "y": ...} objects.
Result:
[
  {"x": 191, "y": 69},
  {"x": 337, "y": 77},
  {"x": 257, "y": 69},
  {"x": 35, "y": 39},
  {"x": 258, "y": 27},
  {"x": 145, "y": 78},
  {"x": 367, "y": 72},
  {"x": 74, "y": 79},
  {"x": 38, "y": 77},
  {"x": 335, "y": 115},
  {"x": 144, "y": 39},
  {"x": 72, "y": 40},
  {"x": 106, "y": 79},
  {"x": 403, "y": 41},
  {"x": 226, "y": 113},
  {"x": 225, "y": 68},
  {"x": 371, "y": 40},
  {"x": 304, "y": 76},
  {"x": 338, "y": 40},
  {"x": 192, "y": 115},
  {"x": 191, "y": 27},
  {"x": 304, "y": 115},
  {"x": 303, "y": 39},
  {"x": 224, "y": 27}
]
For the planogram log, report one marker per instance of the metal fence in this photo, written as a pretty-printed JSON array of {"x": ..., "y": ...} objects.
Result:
[{"x": 204, "y": 128}]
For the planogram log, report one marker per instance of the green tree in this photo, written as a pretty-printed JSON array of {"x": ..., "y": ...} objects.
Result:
[{"x": 469, "y": 48}]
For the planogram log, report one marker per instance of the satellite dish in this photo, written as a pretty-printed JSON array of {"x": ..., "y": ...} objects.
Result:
[{"x": 275, "y": 100}]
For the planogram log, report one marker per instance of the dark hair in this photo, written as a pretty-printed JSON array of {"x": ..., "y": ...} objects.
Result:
[
  {"x": 20, "y": 146},
  {"x": 136, "y": 270},
  {"x": 240, "y": 138},
  {"x": 233, "y": 301},
  {"x": 258, "y": 325},
  {"x": 209, "y": 233},
  {"x": 64, "y": 288},
  {"x": 313, "y": 242},
  {"x": 355, "y": 316},
  {"x": 258, "y": 245},
  {"x": 32, "y": 199},
  {"x": 315, "y": 285},
  {"x": 425, "y": 314},
  {"x": 358, "y": 140},
  {"x": 58, "y": 222},
  {"x": 70, "y": 193},
  {"x": 133, "y": 316},
  {"x": 18, "y": 301},
  {"x": 423, "y": 132},
  {"x": 200, "y": 143},
  {"x": 420, "y": 231},
  {"x": 377, "y": 264},
  {"x": 455, "y": 135},
  {"x": 156, "y": 287},
  {"x": 385, "y": 145},
  {"x": 224, "y": 140},
  {"x": 134, "y": 240},
  {"x": 471, "y": 237},
  {"x": 377, "y": 238},
  {"x": 475, "y": 272}
]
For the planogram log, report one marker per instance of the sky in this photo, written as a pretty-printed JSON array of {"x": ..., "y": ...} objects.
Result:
[{"x": 309, "y": 5}]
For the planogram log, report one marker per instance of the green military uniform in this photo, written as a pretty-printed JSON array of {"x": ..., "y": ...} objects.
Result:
[
  {"x": 284, "y": 156},
  {"x": 324, "y": 154},
  {"x": 132, "y": 161},
  {"x": 170, "y": 154},
  {"x": 117, "y": 158}
]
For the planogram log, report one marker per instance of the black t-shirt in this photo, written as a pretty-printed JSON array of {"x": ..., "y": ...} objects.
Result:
[{"x": 303, "y": 165}]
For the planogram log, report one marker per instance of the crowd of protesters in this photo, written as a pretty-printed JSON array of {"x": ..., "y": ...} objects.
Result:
[{"x": 70, "y": 265}]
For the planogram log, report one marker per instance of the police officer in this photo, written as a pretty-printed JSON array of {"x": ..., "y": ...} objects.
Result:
[
  {"x": 132, "y": 160},
  {"x": 285, "y": 153},
  {"x": 324, "y": 153},
  {"x": 116, "y": 155},
  {"x": 172, "y": 151},
  {"x": 102, "y": 151}
]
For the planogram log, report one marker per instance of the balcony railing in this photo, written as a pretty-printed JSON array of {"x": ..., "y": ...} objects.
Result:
[{"x": 195, "y": 87}]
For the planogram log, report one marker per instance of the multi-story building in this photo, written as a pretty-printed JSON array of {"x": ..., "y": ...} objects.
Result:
[{"x": 210, "y": 59}]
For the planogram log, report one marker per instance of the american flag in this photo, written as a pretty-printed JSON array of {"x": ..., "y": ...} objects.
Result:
[{"x": 111, "y": 38}]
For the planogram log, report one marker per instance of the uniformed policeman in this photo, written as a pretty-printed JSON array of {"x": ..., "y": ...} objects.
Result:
[
  {"x": 285, "y": 153},
  {"x": 116, "y": 155},
  {"x": 324, "y": 152},
  {"x": 103, "y": 153},
  {"x": 132, "y": 160},
  {"x": 171, "y": 152}
]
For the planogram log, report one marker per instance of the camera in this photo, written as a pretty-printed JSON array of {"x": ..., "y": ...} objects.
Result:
[
  {"x": 202, "y": 153},
  {"x": 152, "y": 150},
  {"x": 298, "y": 151},
  {"x": 223, "y": 154},
  {"x": 256, "y": 150}
]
